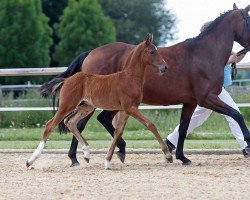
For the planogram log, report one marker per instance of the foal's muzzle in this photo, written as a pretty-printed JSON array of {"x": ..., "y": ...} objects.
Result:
[{"x": 163, "y": 68}]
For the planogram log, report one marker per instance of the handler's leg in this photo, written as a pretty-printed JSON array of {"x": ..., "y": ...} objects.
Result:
[
  {"x": 234, "y": 126},
  {"x": 199, "y": 116}
]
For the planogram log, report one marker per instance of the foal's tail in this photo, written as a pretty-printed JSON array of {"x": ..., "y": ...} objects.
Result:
[
  {"x": 46, "y": 89},
  {"x": 50, "y": 88}
]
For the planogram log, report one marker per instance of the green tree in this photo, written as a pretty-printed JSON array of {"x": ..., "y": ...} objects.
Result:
[
  {"x": 25, "y": 37},
  {"x": 134, "y": 19},
  {"x": 53, "y": 9},
  {"x": 82, "y": 27}
]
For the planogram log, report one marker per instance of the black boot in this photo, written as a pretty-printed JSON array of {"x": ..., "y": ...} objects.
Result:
[
  {"x": 170, "y": 145},
  {"x": 245, "y": 154}
]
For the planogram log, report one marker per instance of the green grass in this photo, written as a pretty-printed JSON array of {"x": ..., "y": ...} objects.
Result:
[
  {"x": 135, "y": 144},
  {"x": 26, "y": 134},
  {"x": 28, "y": 138}
]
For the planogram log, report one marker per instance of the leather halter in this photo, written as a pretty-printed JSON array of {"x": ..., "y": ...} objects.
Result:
[
  {"x": 246, "y": 25},
  {"x": 243, "y": 51}
]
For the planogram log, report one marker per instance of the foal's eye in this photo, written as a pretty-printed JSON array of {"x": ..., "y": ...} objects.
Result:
[{"x": 152, "y": 52}]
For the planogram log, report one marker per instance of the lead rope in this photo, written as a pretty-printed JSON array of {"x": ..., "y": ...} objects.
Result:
[{"x": 233, "y": 65}]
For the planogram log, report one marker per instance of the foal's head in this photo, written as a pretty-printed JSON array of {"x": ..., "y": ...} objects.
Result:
[{"x": 150, "y": 54}]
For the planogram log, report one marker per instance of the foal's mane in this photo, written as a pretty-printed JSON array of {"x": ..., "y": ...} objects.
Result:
[
  {"x": 211, "y": 26},
  {"x": 134, "y": 52}
]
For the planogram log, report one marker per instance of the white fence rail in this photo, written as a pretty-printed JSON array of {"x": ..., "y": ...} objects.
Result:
[{"x": 57, "y": 70}]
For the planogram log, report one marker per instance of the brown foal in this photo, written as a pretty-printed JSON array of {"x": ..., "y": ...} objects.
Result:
[{"x": 82, "y": 93}]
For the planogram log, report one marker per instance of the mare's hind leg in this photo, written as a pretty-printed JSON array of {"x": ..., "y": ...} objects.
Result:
[
  {"x": 120, "y": 124},
  {"x": 50, "y": 125},
  {"x": 186, "y": 114},
  {"x": 71, "y": 123},
  {"x": 134, "y": 112},
  {"x": 216, "y": 104}
]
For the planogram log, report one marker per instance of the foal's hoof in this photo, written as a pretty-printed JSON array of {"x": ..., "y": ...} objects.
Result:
[
  {"x": 107, "y": 165},
  {"x": 86, "y": 159},
  {"x": 121, "y": 156},
  {"x": 75, "y": 164},
  {"x": 169, "y": 159},
  {"x": 27, "y": 164}
]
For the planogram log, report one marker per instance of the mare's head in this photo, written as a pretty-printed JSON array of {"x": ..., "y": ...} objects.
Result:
[
  {"x": 150, "y": 55},
  {"x": 243, "y": 26}
]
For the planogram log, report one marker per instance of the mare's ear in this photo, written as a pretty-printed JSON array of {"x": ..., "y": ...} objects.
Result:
[
  {"x": 235, "y": 7},
  {"x": 148, "y": 38},
  {"x": 247, "y": 8}
]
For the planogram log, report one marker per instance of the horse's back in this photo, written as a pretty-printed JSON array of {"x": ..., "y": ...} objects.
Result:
[{"x": 107, "y": 59}]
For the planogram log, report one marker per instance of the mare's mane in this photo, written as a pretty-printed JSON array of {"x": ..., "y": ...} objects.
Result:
[{"x": 210, "y": 27}]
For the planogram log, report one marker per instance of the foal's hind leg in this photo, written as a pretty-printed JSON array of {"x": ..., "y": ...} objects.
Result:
[
  {"x": 134, "y": 112},
  {"x": 120, "y": 124},
  {"x": 74, "y": 143},
  {"x": 50, "y": 125},
  {"x": 71, "y": 123}
]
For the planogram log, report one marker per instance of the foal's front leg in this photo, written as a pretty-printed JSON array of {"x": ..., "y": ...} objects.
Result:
[
  {"x": 71, "y": 122},
  {"x": 120, "y": 124},
  {"x": 134, "y": 112}
]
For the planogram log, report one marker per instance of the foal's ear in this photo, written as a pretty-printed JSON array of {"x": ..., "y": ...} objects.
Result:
[
  {"x": 235, "y": 7},
  {"x": 148, "y": 39},
  {"x": 247, "y": 8}
]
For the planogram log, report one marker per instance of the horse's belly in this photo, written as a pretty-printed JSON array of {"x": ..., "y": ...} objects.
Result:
[{"x": 103, "y": 103}]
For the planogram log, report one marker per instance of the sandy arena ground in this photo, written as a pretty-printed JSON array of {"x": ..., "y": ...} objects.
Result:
[{"x": 144, "y": 176}]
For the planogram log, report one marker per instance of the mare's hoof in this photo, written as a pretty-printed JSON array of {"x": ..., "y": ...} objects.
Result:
[
  {"x": 75, "y": 164},
  {"x": 247, "y": 150},
  {"x": 27, "y": 164},
  {"x": 86, "y": 159},
  {"x": 121, "y": 156},
  {"x": 169, "y": 159},
  {"x": 186, "y": 162}
]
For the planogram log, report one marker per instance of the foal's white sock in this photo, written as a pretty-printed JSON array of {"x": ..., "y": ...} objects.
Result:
[{"x": 37, "y": 152}]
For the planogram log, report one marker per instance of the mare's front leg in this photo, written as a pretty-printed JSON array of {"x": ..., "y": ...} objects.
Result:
[
  {"x": 134, "y": 112},
  {"x": 214, "y": 103},
  {"x": 72, "y": 121},
  {"x": 74, "y": 143},
  {"x": 186, "y": 114},
  {"x": 121, "y": 122}
]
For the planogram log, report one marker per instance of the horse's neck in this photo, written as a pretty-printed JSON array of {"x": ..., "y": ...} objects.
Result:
[
  {"x": 135, "y": 68},
  {"x": 219, "y": 42}
]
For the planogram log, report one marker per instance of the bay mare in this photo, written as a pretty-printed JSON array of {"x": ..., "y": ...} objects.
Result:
[
  {"x": 81, "y": 93},
  {"x": 195, "y": 75}
]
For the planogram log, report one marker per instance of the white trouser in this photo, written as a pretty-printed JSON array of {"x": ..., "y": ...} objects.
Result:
[{"x": 201, "y": 114}]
